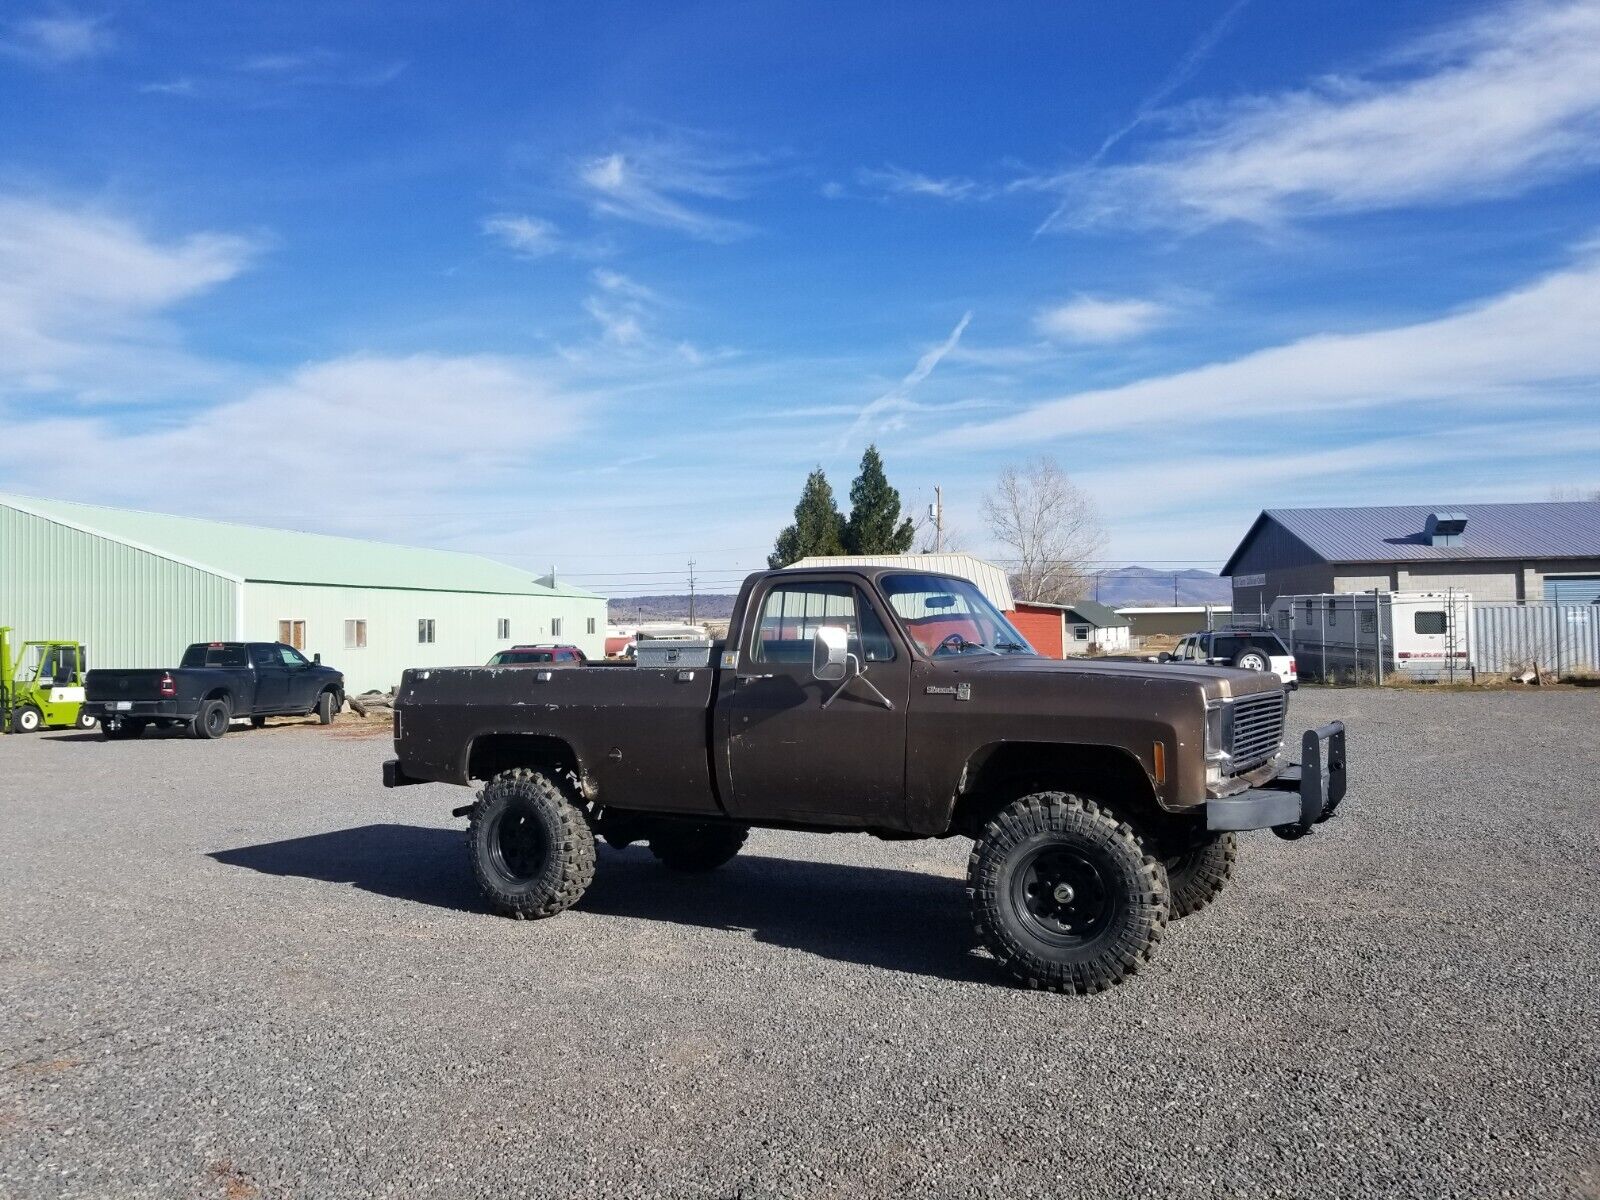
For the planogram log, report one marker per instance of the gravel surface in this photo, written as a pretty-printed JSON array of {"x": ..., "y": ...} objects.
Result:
[{"x": 243, "y": 969}]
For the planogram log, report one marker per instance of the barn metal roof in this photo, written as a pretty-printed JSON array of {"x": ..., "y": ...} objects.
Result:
[
  {"x": 1551, "y": 529},
  {"x": 991, "y": 580},
  {"x": 286, "y": 556}
]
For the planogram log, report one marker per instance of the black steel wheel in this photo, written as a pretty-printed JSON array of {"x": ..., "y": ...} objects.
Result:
[
  {"x": 1064, "y": 895},
  {"x": 532, "y": 849}
]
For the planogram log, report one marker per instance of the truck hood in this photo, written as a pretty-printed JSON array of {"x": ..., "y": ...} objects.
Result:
[{"x": 1218, "y": 683}]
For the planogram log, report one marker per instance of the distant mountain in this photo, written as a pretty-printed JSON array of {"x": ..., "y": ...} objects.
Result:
[
  {"x": 1117, "y": 588},
  {"x": 1123, "y": 586},
  {"x": 631, "y": 610}
]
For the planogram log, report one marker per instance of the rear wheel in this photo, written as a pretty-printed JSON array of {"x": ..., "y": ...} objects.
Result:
[
  {"x": 1198, "y": 876},
  {"x": 1064, "y": 895},
  {"x": 532, "y": 850},
  {"x": 26, "y": 719},
  {"x": 211, "y": 721},
  {"x": 694, "y": 847}
]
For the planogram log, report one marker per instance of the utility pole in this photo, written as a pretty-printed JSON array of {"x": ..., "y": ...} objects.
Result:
[
  {"x": 1174, "y": 591},
  {"x": 936, "y": 511},
  {"x": 691, "y": 591}
]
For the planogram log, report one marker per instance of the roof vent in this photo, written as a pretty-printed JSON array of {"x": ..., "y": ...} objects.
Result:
[{"x": 1445, "y": 528}]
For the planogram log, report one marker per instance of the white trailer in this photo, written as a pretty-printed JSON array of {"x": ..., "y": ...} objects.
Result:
[{"x": 1350, "y": 636}]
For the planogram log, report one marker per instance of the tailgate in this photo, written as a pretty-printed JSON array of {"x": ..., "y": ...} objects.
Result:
[{"x": 123, "y": 685}]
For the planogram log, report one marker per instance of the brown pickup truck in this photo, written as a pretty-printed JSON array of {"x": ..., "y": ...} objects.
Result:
[{"x": 1102, "y": 797}]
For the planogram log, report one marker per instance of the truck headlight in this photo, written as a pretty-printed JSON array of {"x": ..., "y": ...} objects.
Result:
[{"x": 1219, "y": 737}]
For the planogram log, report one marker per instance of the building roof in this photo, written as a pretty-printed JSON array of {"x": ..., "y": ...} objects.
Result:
[
  {"x": 285, "y": 556},
  {"x": 1088, "y": 612},
  {"x": 1551, "y": 529},
  {"x": 990, "y": 579}
]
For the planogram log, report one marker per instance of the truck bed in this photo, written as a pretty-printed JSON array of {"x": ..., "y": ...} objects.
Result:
[{"x": 630, "y": 727}]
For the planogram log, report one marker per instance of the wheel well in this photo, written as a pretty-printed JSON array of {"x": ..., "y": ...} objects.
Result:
[
  {"x": 998, "y": 774},
  {"x": 222, "y": 694},
  {"x": 496, "y": 752}
]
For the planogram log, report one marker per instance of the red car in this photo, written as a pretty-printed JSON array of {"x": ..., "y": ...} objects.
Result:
[{"x": 539, "y": 656}]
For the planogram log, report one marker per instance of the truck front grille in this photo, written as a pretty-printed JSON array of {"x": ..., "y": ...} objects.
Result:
[{"x": 1257, "y": 730}]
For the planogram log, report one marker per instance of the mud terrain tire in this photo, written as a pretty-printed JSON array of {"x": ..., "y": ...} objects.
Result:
[
  {"x": 532, "y": 850},
  {"x": 1198, "y": 876},
  {"x": 1064, "y": 895}
]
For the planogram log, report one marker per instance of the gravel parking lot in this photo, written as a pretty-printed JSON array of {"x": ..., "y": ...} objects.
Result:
[{"x": 243, "y": 969}]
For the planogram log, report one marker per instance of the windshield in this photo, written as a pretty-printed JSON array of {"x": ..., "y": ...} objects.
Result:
[
  {"x": 519, "y": 658},
  {"x": 949, "y": 617}
]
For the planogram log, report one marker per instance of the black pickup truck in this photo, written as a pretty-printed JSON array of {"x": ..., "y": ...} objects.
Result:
[
  {"x": 1103, "y": 798},
  {"x": 216, "y": 682}
]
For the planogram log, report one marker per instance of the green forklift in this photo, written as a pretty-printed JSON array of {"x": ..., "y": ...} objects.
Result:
[{"x": 42, "y": 686}]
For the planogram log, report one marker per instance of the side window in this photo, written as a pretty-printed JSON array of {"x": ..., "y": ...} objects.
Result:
[
  {"x": 1429, "y": 622},
  {"x": 791, "y": 616},
  {"x": 1333, "y": 615},
  {"x": 425, "y": 630},
  {"x": 291, "y": 656}
]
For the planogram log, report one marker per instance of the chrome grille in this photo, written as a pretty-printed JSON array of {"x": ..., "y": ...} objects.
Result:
[{"x": 1257, "y": 731}]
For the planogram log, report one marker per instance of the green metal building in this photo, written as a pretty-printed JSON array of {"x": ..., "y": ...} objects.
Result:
[{"x": 137, "y": 587}]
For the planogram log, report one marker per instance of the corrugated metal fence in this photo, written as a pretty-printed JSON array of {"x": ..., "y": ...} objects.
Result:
[{"x": 1562, "y": 639}]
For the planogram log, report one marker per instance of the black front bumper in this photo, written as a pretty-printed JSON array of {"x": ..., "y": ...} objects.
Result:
[{"x": 1305, "y": 795}]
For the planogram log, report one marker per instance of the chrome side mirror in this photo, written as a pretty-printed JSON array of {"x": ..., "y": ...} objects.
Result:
[{"x": 830, "y": 654}]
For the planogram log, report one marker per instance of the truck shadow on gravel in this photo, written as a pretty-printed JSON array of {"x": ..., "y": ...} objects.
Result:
[{"x": 876, "y": 916}]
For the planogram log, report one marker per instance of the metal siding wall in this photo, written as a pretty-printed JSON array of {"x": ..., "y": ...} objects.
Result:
[
  {"x": 1563, "y": 638},
  {"x": 1043, "y": 631},
  {"x": 464, "y": 626},
  {"x": 131, "y": 608}
]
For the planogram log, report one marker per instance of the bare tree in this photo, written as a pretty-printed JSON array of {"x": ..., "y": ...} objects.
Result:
[
  {"x": 1566, "y": 492},
  {"x": 1051, "y": 526}
]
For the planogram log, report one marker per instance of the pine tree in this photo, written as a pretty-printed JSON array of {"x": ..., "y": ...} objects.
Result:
[
  {"x": 875, "y": 525},
  {"x": 818, "y": 528}
]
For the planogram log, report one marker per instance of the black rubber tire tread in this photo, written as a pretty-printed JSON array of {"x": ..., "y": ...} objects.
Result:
[
  {"x": 202, "y": 725},
  {"x": 21, "y": 714},
  {"x": 570, "y": 870},
  {"x": 1116, "y": 954},
  {"x": 325, "y": 708},
  {"x": 1197, "y": 876},
  {"x": 695, "y": 848}
]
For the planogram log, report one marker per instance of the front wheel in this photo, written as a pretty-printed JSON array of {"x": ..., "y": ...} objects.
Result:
[
  {"x": 532, "y": 850},
  {"x": 695, "y": 848},
  {"x": 1197, "y": 876},
  {"x": 26, "y": 719},
  {"x": 1064, "y": 895},
  {"x": 326, "y": 707}
]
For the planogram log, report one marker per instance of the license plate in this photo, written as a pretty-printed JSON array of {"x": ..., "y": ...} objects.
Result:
[{"x": 123, "y": 705}]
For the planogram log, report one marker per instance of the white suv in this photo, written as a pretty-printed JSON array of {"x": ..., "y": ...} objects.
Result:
[{"x": 1250, "y": 649}]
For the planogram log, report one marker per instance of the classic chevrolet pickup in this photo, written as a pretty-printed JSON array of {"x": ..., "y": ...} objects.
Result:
[{"x": 1102, "y": 797}]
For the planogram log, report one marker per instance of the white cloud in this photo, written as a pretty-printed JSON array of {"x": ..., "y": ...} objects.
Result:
[
  {"x": 896, "y": 181},
  {"x": 888, "y": 412},
  {"x": 653, "y": 184},
  {"x": 389, "y": 429},
  {"x": 57, "y": 39},
  {"x": 1497, "y": 105},
  {"x": 1541, "y": 336},
  {"x": 1093, "y": 319},
  {"x": 530, "y": 237},
  {"x": 80, "y": 289}
]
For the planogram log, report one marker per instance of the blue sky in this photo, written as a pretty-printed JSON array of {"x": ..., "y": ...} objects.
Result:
[{"x": 596, "y": 284}]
